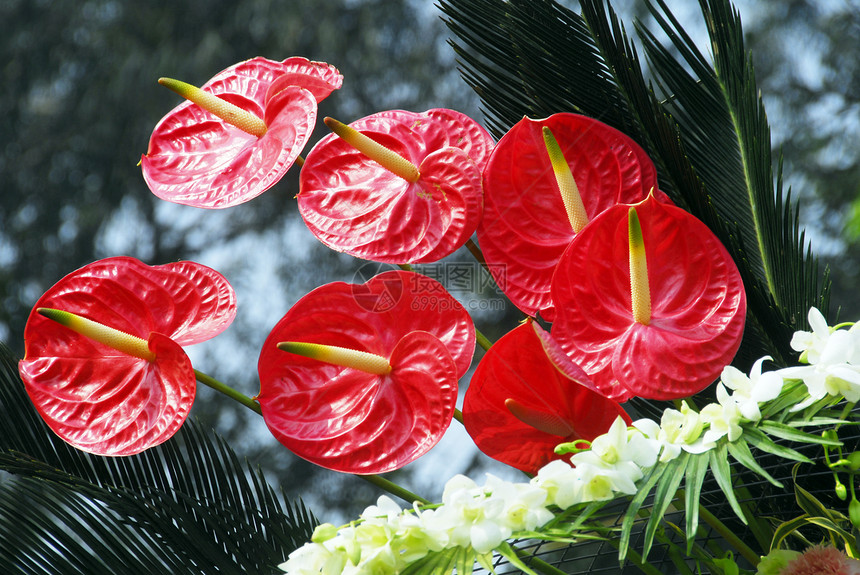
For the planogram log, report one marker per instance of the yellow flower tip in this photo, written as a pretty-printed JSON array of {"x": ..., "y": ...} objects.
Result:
[
  {"x": 640, "y": 291},
  {"x": 230, "y": 113},
  {"x": 57, "y": 315},
  {"x": 388, "y": 159},
  {"x": 567, "y": 187},
  {"x": 344, "y": 357},
  {"x": 113, "y": 338}
]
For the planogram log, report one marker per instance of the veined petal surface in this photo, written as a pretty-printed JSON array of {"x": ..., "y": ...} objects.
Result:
[
  {"x": 356, "y": 422},
  {"x": 197, "y": 159},
  {"x": 698, "y": 305},
  {"x": 562, "y": 404},
  {"x": 102, "y": 400},
  {"x": 525, "y": 227},
  {"x": 354, "y": 205},
  {"x": 343, "y": 418}
]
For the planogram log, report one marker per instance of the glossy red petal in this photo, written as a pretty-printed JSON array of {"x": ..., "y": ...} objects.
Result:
[
  {"x": 112, "y": 404},
  {"x": 352, "y": 421},
  {"x": 197, "y": 159},
  {"x": 101, "y": 400},
  {"x": 319, "y": 78},
  {"x": 525, "y": 228},
  {"x": 697, "y": 296},
  {"x": 356, "y": 422},
  {"x": 517, "y": 367},
  {"x": 373, "y": 317},
  {"x": 354, "y": 205}
]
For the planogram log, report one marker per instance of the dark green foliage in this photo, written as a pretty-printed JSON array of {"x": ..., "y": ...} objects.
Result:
[
  {"x": 702, "y": 123},
  {"x": 186, "y": 506}
]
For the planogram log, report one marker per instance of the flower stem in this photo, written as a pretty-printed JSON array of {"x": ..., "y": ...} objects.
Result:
[
  {"x": 729, "y": 535},
  {"x": 394, "y": 489},
  {"x": 458, "y": 415},
  {"x": 228, "y": 391},
  {"x": 380, "y": 482},
  {"x": 482, "y": 340}
]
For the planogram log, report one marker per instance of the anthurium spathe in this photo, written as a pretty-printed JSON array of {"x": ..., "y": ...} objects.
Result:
[
  {"x": 209, "y": 159},
  {"x": 677, "y": 344},
  {"x": 422, "y": 202},
  {"x": 529, "y": 221},
  {"x": 362, "y": 378},
  {"x": 526, "y": 398},
  {"x": 112, "y": 398}
]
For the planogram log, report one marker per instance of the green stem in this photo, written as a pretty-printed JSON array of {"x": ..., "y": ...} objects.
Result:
[
  {"x": 380, "y": 482},
  {"x": 458, "y": 415},
  {"x": 482, "y": 340},
  {"x": 730, "y": 536},
  {"x": 228, "y": 391},
  {"x": 394, "y": 489}
]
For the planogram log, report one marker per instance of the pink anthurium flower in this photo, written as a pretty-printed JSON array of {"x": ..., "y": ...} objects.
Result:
[
  {"x": 363, "y": 378},
  {"x": 258, "y": 116},
  {"x": 103, "y": 362},
  {"x": 648, "y": 302},
  {"x": 526, "y": 397},
  {"x": 396, "y": 186},
  {"x": 544, "y": 181}
]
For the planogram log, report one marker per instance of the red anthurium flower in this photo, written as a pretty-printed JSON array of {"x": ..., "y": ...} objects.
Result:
[
  {"x": 529, "y": 221},
  {"x": 410, "y": 191},
  {"x": 648, "y": 302},
  {"x": 135, "y": 390},
  {"x": 526, "y": 397},
  {"x": 363, "y": 378},
  {"x": 250, "y": 133}
]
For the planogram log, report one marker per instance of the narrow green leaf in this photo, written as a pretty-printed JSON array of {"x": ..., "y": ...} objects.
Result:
[
  {"x": 786, "y": 528},
  {"x": 465, "y": 562},
  {"x": 834, "y": 528},
  {"x": 696, "y": 470},
  {"x": 789, "y": 433},
  {"x": 635, "y": 505},
  {"x": 742, "y": 454},
  {"x": 764, "y": 443},
  {"x": 664, "y": 494},
  {"x": 722, "y": 471},
  {"x": 813, "y": 507},
  {"x": 511, "y": 555},
  {"x": 485, "y": 560}
]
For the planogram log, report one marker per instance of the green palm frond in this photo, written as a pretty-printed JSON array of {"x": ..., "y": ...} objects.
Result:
[
  {"x": 186, "y": 506},
  {"x": 703, "y": 124}
]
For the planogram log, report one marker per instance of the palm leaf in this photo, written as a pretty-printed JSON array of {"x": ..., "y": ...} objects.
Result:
[
  {"x": 703, "y": 124},
  {"x": 188, "y": 505}
]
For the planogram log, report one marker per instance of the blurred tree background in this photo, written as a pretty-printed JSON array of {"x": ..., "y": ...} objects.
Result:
[{"x": 79, "y": 95}]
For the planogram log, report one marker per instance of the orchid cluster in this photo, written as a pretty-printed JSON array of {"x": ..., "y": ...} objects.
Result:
[
  {"x": 643, "y": 301},
  {"x": 480, "y": 519}
]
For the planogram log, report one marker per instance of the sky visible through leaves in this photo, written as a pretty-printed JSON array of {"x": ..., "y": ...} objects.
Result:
[{"x": 80, "y": 84}]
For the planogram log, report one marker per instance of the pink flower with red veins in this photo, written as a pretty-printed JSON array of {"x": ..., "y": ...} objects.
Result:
[
  {"x": 103, "y": 362},
  {"x": 545, "y": 180},
  {"x": 649, "y": 302},
  {"x": 237, "y": 135},
  {"x": 362, "y": 378},
  {"x": 397, "y": 186}
]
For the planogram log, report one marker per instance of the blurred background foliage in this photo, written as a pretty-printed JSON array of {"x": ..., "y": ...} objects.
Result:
[{"x": 79, "y": 99}]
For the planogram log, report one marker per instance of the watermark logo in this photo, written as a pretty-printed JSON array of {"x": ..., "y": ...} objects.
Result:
[
  {"x": 433, "y": 288},
  {"x": 379, "y": 295}
]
